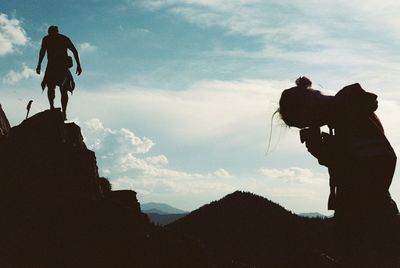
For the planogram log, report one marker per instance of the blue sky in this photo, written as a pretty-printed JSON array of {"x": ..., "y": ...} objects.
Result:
[{"x": 176, "y": 96}]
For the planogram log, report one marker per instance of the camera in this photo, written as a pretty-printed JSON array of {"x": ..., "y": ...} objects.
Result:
[{"x": 309, "y": 134}]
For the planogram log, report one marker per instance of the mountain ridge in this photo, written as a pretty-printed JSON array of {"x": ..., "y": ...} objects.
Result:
[
  {"x": 252, "y": 231},
  {"x": 164, "y": 219},
  {"x": 160, "y": 208}
]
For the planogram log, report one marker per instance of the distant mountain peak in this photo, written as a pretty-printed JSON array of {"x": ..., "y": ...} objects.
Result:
[
  {"x": 250, "y": 230},
  {"x": 239, "y": 205},
  {"x": 247, "y": 200},
  {"x": 161, "y": 208}
]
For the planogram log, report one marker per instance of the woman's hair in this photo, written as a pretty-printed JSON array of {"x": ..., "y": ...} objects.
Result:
[
  {"x": 303, "y": 82},
  {"x": 291, "y": 104}
]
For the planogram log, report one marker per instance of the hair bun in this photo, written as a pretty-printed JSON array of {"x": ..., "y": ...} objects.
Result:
[{"x": 303, "y": 82}]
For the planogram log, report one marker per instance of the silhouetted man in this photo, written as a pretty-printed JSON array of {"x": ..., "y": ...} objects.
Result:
[{"x": 58, "y": 64}]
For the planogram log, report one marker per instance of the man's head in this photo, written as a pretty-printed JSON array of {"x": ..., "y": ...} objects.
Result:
[{"x": 52, "y": 30}]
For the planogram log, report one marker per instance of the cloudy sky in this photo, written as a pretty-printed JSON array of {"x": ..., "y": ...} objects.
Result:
[{"x": 176, "y": 96}]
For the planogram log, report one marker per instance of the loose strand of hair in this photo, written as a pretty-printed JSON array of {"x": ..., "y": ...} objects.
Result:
[{"x": 270, "y": 132}]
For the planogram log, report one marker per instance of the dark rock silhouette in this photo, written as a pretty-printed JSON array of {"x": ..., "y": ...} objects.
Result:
[
  {"x": 4, "y": 124},
  {"x": 57, "y": 212},
  {"x": 164, "y": 219},
  {"x": 246, "y": 230},
  {"x": 47, "y": 159}
]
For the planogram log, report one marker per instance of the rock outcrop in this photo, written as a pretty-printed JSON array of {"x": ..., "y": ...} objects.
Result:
[
  {"x": 45, "y": 159},
  {"x": 4, "y": 124},
  {"x": 57, "y": 212}
]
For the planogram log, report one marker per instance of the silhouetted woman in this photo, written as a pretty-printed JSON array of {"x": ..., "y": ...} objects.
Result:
[{"x": 361, "y": 164}]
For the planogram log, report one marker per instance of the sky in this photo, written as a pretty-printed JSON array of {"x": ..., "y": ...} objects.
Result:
[{"x": 176, "y": 96}]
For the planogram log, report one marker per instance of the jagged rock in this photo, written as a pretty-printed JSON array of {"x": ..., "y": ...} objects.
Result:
[
  {"x": 4, "y": 124},
  {"x": 126, "y": 198},
  {"x": 45, "y": 158},
  {"x": 57, "y": 212}
]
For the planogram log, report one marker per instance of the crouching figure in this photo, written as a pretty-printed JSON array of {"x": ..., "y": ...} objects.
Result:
[{"x": 361, "y": 164}]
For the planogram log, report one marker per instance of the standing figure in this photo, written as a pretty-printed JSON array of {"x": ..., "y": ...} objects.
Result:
[
  {"x": 58, "y": 64},
  {"x": 361, "y": 165}
]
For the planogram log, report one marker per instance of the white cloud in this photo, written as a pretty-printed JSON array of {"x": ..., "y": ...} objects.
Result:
[
  {"x": 294, "y": 175},
  {"x": 380, "y": 15},
  {"x": 87, "y": 47},
  {"x": 301, "y": 32},
  {"x": 106, "y": 140},
  {"x": 296, "y": 19},
  {"x": 121, "y": 151},
  {"x": 206, "y": 110},
  {"x": 11, "y": 34},
  {"x": 124, "y": 157},
  {"x": 250, "y": 18},
  {"x": 14, "y": 77},
  {"x": 158, "y": 160},
  {"x": 222, "y": 173},
  {"x": 236, "y": 16}
]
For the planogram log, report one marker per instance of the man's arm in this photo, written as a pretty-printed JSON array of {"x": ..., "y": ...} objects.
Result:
[
  {"x": 41, "y": 56},
  {"x": 76, "y": 56}
]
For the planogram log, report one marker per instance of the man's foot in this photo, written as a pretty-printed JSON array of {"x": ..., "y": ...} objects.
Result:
[
  {"x": 52, "y": 108},
  {"x": 65, "y": 116}
]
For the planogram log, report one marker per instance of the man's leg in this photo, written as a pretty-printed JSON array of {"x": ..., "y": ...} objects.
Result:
[
  {"x": 64, "y": 101},
  {"x": 51, "y": 94}
]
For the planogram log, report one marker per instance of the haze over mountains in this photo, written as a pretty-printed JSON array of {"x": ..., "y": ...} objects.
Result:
[
  {"x": 161, "y": 208},
  {"x": 162, "y": 214}
]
